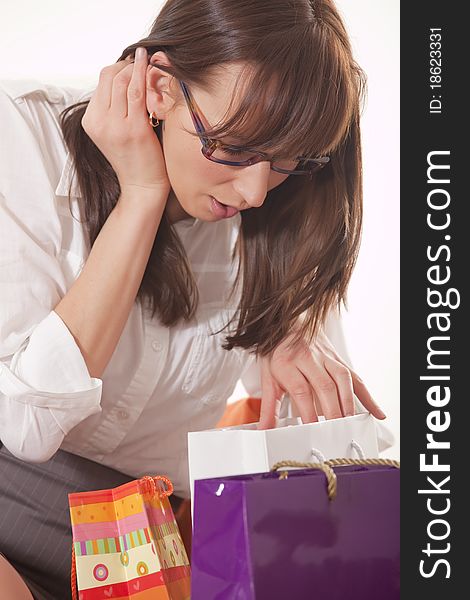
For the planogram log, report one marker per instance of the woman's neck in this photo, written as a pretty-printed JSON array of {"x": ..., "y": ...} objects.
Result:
[{"x": 174, "y": 211}]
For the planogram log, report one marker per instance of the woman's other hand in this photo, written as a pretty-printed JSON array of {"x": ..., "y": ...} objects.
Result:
[{"x": 317, "y": 380}]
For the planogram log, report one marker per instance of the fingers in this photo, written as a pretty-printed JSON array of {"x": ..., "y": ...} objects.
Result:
[
  {"x": 362, "y": 392},
  {"x": 137, "y": 90},
  {"x": 101, "y": 98},
  {"x": 299, "y": 390},
  {"x": 342, "y": 378},
  {"x": 120, "y": 84},
  {"x": 129, "y": 89},
  {"x": 269, "y": 409},
  {"x": 324, "y": 387},
  {"x": 365, "y": 397},
  {"x": 121, "y": 88},
  {"x": 318, "y": 382},
  {"x": 270, "y": 399}
]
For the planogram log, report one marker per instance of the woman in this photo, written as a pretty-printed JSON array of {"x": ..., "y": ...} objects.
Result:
[{"x": 141, "y": 277}]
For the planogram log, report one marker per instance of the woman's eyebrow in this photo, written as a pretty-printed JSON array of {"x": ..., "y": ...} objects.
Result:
[
  {"x": 238, "y": 143},
  {"x": 253, "y": 148},
  {"x": 234, "y": 142}
]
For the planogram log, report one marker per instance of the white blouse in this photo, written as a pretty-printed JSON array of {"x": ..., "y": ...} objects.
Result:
[{"x": 160, "y": 382}]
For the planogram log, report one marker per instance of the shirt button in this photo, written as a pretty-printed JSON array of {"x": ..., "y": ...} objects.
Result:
[
  {"x": 123, "y": 415},
  {"x": 156, "y": 346}
]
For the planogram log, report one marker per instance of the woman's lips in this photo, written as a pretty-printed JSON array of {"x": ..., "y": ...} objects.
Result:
[{"x": 221, "y": 210}]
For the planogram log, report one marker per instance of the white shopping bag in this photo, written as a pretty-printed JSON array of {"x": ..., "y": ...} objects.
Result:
[{"x": 244, "y": 449}]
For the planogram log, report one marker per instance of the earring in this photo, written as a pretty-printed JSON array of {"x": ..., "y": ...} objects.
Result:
[{"x": 151, "y": 120}]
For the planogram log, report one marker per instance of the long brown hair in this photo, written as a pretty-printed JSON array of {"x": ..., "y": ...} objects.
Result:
[{"x": 297, "y": 251}]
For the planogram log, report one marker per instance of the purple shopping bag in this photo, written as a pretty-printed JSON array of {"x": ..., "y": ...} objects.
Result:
[{"x": 260, "y": 537}]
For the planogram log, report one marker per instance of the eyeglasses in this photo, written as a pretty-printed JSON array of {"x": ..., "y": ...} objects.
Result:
[{"x": 218, "y": 152}]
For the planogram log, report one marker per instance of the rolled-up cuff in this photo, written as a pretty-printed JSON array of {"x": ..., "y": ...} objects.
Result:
[{"x": 50, "y": 372}]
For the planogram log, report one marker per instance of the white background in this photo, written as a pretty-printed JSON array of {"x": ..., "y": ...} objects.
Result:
[
  {"x": 67, "y": 43},
  {"x": 372, "y": 325}
]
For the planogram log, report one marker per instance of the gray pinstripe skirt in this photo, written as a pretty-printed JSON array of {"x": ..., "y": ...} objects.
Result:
[{"x": 35, "y": 530}]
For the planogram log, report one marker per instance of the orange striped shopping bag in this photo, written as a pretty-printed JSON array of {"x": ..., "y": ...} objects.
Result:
[{"x": 126, "y": 544}]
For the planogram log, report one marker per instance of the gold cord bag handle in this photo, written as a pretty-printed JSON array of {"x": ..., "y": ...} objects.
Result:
[{"x": 326, "y": 467}]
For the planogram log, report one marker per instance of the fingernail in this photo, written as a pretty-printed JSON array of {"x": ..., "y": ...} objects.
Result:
[
  {"x": 382, "y": 414},
  {"x": 141, "y": 52}
]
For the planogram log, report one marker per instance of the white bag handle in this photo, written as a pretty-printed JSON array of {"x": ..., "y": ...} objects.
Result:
[
  {"x": 358, "y": 449},
  {"x": 316, "y": 453}
]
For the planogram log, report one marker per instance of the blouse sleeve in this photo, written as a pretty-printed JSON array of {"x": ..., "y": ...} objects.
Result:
[{"x": 45, "y": 386}]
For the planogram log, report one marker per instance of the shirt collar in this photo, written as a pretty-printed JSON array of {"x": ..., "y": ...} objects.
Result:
[
  {"x": 16, "y": 88},
  {"x": 185, "y": 224},
  {"x": 189, "y": 224},
  {"x": 54, "y": 94}
]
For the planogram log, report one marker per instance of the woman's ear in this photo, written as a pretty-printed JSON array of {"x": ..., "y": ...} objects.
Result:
[{"x": 160, "y": 87}]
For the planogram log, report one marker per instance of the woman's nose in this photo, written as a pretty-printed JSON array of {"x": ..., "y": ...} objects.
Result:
[{"x": 252, "y": 183}]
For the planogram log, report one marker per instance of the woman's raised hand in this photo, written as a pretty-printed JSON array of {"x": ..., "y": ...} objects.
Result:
[{"x": 117, "y": 121}]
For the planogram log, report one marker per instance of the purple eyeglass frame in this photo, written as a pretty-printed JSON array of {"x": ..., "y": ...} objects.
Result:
[{"x": 209, "y": 146}]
